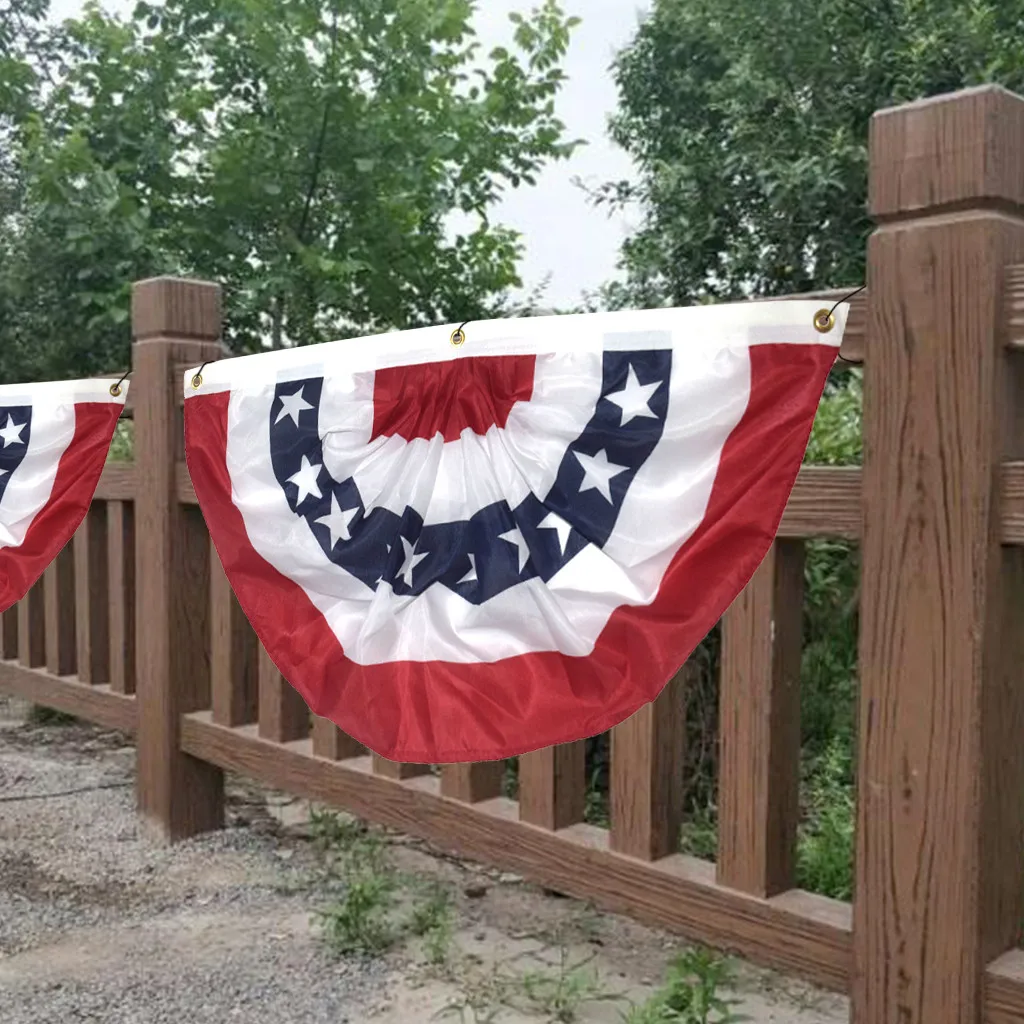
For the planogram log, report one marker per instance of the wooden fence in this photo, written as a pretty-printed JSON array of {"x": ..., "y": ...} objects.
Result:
[{"x": 134, "y": 626}]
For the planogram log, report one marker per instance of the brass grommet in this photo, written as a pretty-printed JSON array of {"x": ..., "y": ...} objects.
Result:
[
  {"x": 197, "y": 381},
  {"x": 824, "y": 321},
  {"x": 458, "y": 336},
  {"x": 115, "y": 390}
]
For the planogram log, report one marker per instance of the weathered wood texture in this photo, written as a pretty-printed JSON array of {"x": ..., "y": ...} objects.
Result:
[
  {"x": 647, "y": 775},
  {"x": 553, "y": 786},
  {"x": 398, "y": 769},
  {"x": 32, "y": 627},
  {"x": 172, "y": 322},
  {"x": 99, "y": 704},
  {"x": 472, "y": 783},
  {"x": 797, "y": 932},
  {"x": 59, "y": 613},
  {"x": 940, "y": 824},
  {"x": 92, "y": 597},
  {"x": 283, "y": 714},
  {"x": 759, "y": 765},
  {"x": 331, "y": 743},
  {"x": 233, "y": 653},
  {"x": 1004, "y": 989},
  {"x": 121, "y": 588},
  {"x": 9, "y": 633}
]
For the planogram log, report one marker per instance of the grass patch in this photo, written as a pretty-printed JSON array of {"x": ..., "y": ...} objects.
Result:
[
  {"x": 691, "y": 994},
  {"x": 376, "y": 906},
  {"x": 39, "y": 714}
]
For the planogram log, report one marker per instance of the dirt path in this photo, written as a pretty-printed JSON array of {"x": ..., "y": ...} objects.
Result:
[{"x": 98, "y": 922}]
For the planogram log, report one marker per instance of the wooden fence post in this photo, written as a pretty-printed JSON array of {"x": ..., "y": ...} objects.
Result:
[
  {"x": 940, "y": 825},
  {"x": 174, "y": 322}
]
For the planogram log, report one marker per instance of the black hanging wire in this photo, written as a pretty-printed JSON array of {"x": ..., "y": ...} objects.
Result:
[
  {"x": 197, "y": 380},
  {"x": 115, "y": 389},
  {"x": 824, "y": 321}
]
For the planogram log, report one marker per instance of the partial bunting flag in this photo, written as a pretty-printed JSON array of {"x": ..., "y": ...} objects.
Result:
[
  {"x": 54, "y": 439},
  {"x": 463, "y": 552}
]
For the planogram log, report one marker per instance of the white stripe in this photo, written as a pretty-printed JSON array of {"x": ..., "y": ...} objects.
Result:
[
  {"x": 452, "y": 481},
  {"x": 53, "y": 428},
  {"x": 29, "y": 486},
  {"x": 708, "y": 328},
  {"x": 709, "y": 393},
  {"x": 63, "y": 392}
]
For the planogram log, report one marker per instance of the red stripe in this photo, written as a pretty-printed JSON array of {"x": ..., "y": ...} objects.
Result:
[
  {"x": 446, "y": 398},
  {"x": 441, "y": 712},
  {"x": 78, "y": 473}
]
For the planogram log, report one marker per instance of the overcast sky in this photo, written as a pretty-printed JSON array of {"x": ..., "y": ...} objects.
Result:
[{"x": 563, "y": 234}]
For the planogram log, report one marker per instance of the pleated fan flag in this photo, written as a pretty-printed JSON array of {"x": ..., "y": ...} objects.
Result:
[
  {"x": 469, "y": 551},
  {"x": 54, "y": 439}
]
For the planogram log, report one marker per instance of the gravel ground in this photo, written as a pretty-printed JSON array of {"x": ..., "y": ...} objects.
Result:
[{"x": 99, "y": 922}]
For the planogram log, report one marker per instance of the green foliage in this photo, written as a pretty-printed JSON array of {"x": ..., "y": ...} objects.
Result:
[
  {"x": 432, "y": 919},
  {"x": 560, "y": 993},
  {"x": 39, "y": 714},
  {"x": 748, "y": 123},
  {"x": 376, "y": 906},
  {"x": 307, "y": 154},
  {"x": 825, "y": 849},
  {"x": 691, "y": 994},
  {"x": 358, "y": 922}
]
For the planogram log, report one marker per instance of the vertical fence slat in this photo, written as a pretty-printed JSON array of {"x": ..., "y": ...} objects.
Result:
[
  {"x": 173, "y": 322},
  {"x": 472, "y": 783},
  {"x": 647, "y": 783},
  {"x": 283, "y": 715},
  {"x": 92, "y": 597},
  {"x": 398, "y": 769},
  {"x": 9, "y": 634},
  {"x": 59, "y": 613},
  {"x": 940, "y": 818},
  {"x": 121, "y": 595},
  {"x": 32, "y": 628},
  {"x": 759, "y": 727},
  {"x": 233, "y": 672},
  {"x": 330, "y": 742},
  {"x": 553, "y": 785}
]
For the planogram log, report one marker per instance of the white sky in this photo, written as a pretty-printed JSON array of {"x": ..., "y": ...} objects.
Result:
[{"x": 562, "y": 232}]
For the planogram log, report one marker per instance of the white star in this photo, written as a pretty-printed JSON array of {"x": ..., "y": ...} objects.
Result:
[
  {"x": 337, "y": 521},
  {"x": 633, "y": 399},
  {"x": 598, "y": 472},
  {"x": 12, "y": 432},
  {"x": 292, "y": 405},
  {"x": 471, "y": 576},
  {"x": 515, "y": 537},
  {"x": 306, "y": 481},
  {"x": 559, "y": 525},
  {"x": 411, "y": 561},
  {"x": 3, "y": 472}
]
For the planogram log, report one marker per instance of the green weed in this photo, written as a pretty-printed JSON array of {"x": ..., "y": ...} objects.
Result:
[
  {"x": 38, "y": 714},
  {"x": 691, "y": 994}
]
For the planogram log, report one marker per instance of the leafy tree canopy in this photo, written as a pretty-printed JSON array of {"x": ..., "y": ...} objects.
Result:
[
  {"x": 307, "y": 154},
  {"x": 749, "y": 122}
]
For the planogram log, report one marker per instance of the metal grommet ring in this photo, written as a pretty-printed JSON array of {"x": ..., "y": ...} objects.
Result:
[
  {"x": 115, "y": 390},
  {"x": 824, "y": 321},
  {"x": 197, "y": 381},
  {"x": 458, "y": 336}
]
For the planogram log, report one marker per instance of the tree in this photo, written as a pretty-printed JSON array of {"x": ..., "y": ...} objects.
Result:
[
  {"x": 748, "y": 123},
  {"x": 307, "y": 154}
]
